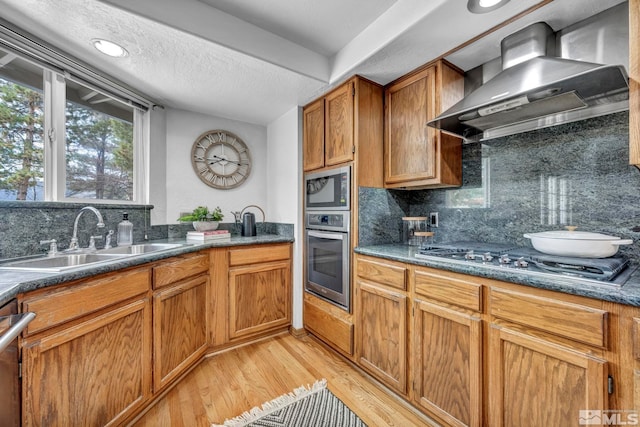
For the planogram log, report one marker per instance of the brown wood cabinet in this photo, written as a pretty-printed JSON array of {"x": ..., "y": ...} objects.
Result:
[
  {"x": 484, "y": 352},
  {"x": 259, "y": 290},
  {"x": 328, "y": 128},
  {"x": 381, "y": 327},
  {"x": 332, "y": 324},
  {"x": 535, "y": 382},
  {"x": 101, "y": 349},
  {"x": 346, "y": 125},
  {"x": 180, "y": 327},
  {"x": 415, "y": 155},
  {"x": 313, "y": 136},
  {"x": 93, "y": 369},
  {"x": 447, "y": 347}
]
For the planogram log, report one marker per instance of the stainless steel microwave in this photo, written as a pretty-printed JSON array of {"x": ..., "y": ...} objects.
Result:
[{"x": 329, "y": 189}]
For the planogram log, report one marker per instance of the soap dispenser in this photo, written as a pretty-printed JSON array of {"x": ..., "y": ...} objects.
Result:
[{"x": 125, "y": 231}]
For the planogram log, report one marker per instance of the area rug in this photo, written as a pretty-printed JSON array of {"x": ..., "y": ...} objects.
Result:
[{"x": 304, "y": 407}]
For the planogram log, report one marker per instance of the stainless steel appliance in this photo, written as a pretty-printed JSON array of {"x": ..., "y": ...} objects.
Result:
[
  {"x": 11, "y": 325},
  {"x": 328, "y": 190},
  {"x": 327, "y": 249},
  {"x": 612, "y": 271},
  {"x": 545, "y": 80}
]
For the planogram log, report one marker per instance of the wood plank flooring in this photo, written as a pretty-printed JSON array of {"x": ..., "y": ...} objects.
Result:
[{"x": 227, "y": 384}]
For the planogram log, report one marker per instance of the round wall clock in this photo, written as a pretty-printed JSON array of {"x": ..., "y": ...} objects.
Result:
[{"x": 221, "y": 159}]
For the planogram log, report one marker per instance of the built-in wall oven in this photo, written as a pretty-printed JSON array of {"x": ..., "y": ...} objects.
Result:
[{"x": 328, "y": 255}]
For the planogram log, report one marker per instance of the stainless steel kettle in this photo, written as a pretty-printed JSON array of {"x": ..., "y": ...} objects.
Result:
[{"x": 248, "y": 224}]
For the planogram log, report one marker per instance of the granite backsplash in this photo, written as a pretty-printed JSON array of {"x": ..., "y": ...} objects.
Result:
[
  {"x": 24, "y": 224},
  {"x": 573, "y": 174}
]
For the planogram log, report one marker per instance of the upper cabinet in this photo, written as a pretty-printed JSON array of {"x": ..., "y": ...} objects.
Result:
[
  {"x": 328, "y": 129},
  {"x": 345, "y": 125},
  {"x": 417, "y": 156},
  {"x": 338, "y": 107},
  {"x": 314, "y": 135},
  {"x": 634, "y": 82}
]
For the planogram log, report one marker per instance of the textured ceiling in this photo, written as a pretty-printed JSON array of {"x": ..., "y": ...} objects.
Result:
[{"x": 255, "y": 60}]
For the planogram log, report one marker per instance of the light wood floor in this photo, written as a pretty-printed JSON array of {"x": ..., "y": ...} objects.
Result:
[{"x": 227, "y": 384}]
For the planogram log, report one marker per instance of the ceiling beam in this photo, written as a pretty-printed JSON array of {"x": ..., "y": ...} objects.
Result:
[{"x": 209, "y": 23}]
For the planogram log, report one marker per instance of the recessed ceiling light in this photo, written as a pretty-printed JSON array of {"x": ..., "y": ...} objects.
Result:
[
  {"x": 109, "y": 48},
  {"x": 484, "y": 6}
]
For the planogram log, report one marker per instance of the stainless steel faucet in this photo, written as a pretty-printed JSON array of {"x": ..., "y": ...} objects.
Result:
[{"x": 74, "y": 239}]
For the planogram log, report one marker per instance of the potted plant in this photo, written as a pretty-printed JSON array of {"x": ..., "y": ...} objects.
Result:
[{"x": 203, "y": 219}]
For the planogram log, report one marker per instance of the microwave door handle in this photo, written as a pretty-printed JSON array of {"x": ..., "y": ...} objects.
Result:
[{"x": 332, "y": 236}]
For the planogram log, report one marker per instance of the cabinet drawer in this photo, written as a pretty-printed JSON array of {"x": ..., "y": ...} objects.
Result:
[
  {"x": 569, "y": 320},
  {"x": 255, "y": 255},
  {"x": 451, "y": 289},
  {"x": 336, "y": 331},
  {"x": 386, "y": 273},
  {"x": 83, "y": 298},
  {"x": 179, "y": 268}
]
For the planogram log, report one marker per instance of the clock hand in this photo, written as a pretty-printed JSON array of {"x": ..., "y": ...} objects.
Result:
[{"x": 221, "y": 159}]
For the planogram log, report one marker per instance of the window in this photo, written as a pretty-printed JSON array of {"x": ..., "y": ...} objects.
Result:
[
  {"x": 21, "y": 129},
  {"x": 99, "y": 146},
  {"x": 64, "y": 140}
]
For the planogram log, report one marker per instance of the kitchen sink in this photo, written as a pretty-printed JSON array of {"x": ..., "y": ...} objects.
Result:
[
  {"x": 59, "y": 262},
  {"x": 67, "y": 261},
  {"x": 143, "y": 248}
]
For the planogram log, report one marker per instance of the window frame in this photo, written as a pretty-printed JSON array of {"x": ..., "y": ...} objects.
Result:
[{"x": 58, "y": 67}]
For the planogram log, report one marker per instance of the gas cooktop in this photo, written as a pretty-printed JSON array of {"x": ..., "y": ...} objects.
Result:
[{"x": 613, "y": 270}]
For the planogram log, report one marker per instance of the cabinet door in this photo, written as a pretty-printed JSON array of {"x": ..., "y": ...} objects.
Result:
[
  {"x": 382, "y": 334},
  {"x": 313, "y": 139},
  {"x": 179, "y": 328},
  {"x": 93, "y": 373},
  {"x": 409, "y": 143},
  {"x": 447, "y": 364},
  {"x": 534, "y": 382},
  {"x": 339, "y": 143},
  {"x": 259, "y": 298}
]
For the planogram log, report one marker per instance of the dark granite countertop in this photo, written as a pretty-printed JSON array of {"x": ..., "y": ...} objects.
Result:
[
  {"x": 14, "y": 282},
  {"x": 629, "y": 293}
]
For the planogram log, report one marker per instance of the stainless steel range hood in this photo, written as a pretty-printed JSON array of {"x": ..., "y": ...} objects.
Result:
[{"x": 535, "y": 89}]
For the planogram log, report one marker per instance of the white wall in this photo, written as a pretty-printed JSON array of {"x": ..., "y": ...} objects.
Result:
[
  {"x": 157, "y": 157},
  {"x": 185, "y": 191},
  {"x": 284, "y": 163}
]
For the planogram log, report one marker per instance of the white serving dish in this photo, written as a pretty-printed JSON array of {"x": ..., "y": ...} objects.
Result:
[{"x": 581, "y": 244}]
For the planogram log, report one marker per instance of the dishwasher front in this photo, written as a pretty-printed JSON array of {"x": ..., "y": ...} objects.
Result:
[{"x": 11, "y": 325}]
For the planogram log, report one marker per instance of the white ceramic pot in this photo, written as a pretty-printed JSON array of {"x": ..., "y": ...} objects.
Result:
[
  {"x": 580, "y": 244},
  {"x": 205, "y": 225}
]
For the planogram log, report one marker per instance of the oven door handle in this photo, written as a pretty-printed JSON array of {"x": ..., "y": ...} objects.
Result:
[
  {"x": 331, "y": 236},
  {"x": 16, "y": 329}
]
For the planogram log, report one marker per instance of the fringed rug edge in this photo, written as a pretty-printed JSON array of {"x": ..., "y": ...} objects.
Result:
[{"x": 274, "y": 405}]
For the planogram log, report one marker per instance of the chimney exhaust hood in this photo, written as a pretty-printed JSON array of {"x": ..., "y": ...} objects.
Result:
[{"x": 535, "y": 89}]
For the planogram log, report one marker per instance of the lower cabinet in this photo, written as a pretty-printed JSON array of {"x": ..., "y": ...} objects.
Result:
[
  {"x": 259, "y": 290},
  {"x": 96, "y": 372},
  {"x": 179, "y": 328},
  {"x": 101, "y": 349},
  {"x": 382, "y": 334},
  {"x": 448, "y": 363},
  {"x": 488, "y": 353},
  {"x": 381, "y": 320},
  {"x": 534, "y": 382},
  {"x": 447, "y": 342},
  {"x": 546, "y": 358}
]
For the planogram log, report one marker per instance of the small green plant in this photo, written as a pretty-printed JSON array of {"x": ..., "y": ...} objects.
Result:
[{"x": 202, "y": 213}]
